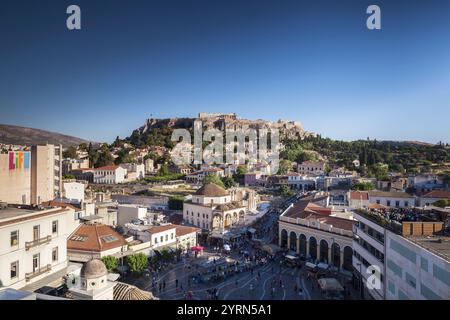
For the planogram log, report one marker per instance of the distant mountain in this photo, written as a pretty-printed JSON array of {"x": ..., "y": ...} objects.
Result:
[{"x": 29, "y": 136}]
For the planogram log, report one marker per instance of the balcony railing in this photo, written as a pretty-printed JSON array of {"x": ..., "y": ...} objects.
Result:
[
  {"x": 38, "y": 242},
  {"x": 37, "y": 272}
]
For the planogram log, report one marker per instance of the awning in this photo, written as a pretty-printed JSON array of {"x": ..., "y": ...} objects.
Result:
[
  {"x": 288, "y": 256},
  {"x": 197, "y": 248}
]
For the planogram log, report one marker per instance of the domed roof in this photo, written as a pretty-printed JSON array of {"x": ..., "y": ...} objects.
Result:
[
  {"x": 93, "y": 269},
  {"x": 211, "y": 190}
]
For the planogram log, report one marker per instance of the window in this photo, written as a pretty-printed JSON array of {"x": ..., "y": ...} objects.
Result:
[
  {"x": 35, "y": 232},
  {"x": 378, "y": 201},
  {"x": 388, "y": 203},
  {"x": 394, "y": 268},
  {"x": 397, "y": 203},
  {"x": 424, "y": 264},
  {"x": 410, "y": 279},
  {"x": 55, "y": 254},
  {"x": 14, "y": 269},
  {"x": 391, "y": 287},
  {"x": 402, "y": 250},
  {"x": 156, "y": 240},
  {"x": 167, "y": 237},
  {"x": 406, "y": 203},
  {"x": 198, "y": 214},
  {"x": 36, "y": 262},
  {"x": 161, "y": 238},
  {"x": 55, "y": 226},
  {"x": 171, "y": 236},
  {"x": 15, "y": 238}
]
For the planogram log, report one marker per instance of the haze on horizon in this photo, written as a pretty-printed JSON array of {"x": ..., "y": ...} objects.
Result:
[{"x": 309, "y": 61}]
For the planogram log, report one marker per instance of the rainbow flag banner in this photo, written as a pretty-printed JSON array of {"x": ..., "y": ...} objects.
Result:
[{"x": 19, "y": 160}]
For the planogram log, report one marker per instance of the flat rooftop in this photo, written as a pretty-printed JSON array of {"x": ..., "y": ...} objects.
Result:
[
  {"x": 12, "y": 212},
  {"x": 439, "y": 245}
]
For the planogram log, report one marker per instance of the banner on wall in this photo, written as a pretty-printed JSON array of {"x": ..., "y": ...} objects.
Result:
[{"x": 19, "y": 160}]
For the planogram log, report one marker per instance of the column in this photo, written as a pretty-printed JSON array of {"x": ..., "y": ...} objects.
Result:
[
  {"x": 307, "y": 247},
  {"x": 289, "y": 241},
  {"x": 341, "y": 262},
  {"x": 279, "y": 238},
  {"x": 329, "y": 255},
  {"x": 318, "y": 250},
  {"x": 298, "y": 244}
]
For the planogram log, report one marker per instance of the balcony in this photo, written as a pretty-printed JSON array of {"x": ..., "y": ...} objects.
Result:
[
  {"x": 38, "y": 242},
  {"x": 37, "y": 272}
]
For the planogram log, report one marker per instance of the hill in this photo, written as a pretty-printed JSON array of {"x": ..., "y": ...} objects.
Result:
[{"x": 10, "y": 134}]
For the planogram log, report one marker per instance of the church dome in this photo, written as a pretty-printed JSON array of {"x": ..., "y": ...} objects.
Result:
[
  {"x": 211, "y": 190},
  {"x": 93, "y": 269}
]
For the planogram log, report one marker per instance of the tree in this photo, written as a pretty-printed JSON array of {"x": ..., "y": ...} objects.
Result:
[
  {"x": 285, "y": 166},
  {"x": 442, "y": 203},
  {"x": 228, "y": 182},
  {"x": 176, "y": 203},
  {"x": 285, "y": 192},
  {"x": 136, "y": 263},
  {"x": 212, "y": 178},
  {"x": 70, "y": 152},
  {"x": 164, "y": 170},
  {"x": 105, "y": 157},
  {"x": 363, "y": 186},
  {"x": 110, "y": 262},
  {"x": 68, "y": 176}
]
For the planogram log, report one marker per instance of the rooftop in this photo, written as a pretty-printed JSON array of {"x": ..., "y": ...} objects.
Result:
[
  {"x": 437, "y": 194},
  {"x": 390, "y": 194},
  {"x": 439, "y": 245},
  {"x": 95, "y": 237},
  {"x": 16, "y": 214},
  {"x": 211, "y": 190}
]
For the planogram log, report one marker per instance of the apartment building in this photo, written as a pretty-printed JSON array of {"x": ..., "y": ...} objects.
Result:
[
  {"x": 68, "y": 165},
  {"x": 31, "y": 176},
  {"x": 392, "y": 199},
  {"x": 412, "y": 255},
  {"x": 32, "y": 244}
]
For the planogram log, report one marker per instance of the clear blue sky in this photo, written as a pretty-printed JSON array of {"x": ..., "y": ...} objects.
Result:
[{"x": 311, "y": 61}]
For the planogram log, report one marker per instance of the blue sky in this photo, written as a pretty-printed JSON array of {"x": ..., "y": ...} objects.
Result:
[{"x": 311, "y": 61}]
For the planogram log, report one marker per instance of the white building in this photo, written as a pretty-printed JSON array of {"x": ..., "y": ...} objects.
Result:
[
  {"x": 212, "y": 208},
  {"x": 130, "y": 213},
  {"x": 32, "y": 244},
  {"x": 299, "y": 181},
  {"x": 369, "y": 250},
  {"x": 198, "y": 176},
  {"x": 149, "y": 166},
  {"x": 312, "y": 167},
  {"x": 412, "y": 256},
  {"x": 74, "y": 191},
  {"x": 134, "y": 171},
  {"x": 392, "y": 199},
  {"x": 109, "y": 175},
  {"x": 431, "y": 197}
]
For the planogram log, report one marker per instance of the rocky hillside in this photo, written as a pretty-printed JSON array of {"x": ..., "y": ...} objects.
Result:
[{"x": 29, "y": 136}]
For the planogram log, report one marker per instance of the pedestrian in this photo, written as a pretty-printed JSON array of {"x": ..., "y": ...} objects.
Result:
[
  {"x": 164, "y": 285},
  {"x": 295, "y": 288},
  {"x": 159, "y": 287},
  {"x": 237, "y": 282},
  {"x": 176, "y": 283},
  {"x": 300, "y": 292}
]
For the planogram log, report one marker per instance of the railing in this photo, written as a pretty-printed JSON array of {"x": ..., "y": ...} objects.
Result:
[
  {"x": 38, "y": 242},
  {"x": 380, "y": 220},
  {"x": 37, "y": 272}
]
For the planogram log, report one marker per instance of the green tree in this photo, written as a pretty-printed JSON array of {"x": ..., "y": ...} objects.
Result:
[
  {"x": 68, "y": 176},
  {"x": 136, "y": 263},
  {"x": 212, "y": 178},
  {"x": 70, "y": 152},
  {"x": 105, "y": 158},
  {"x": 285, "y": 166},
  {"x": 285, "y": 191},
  {"x": 363, "y": 186},
  {"x": 228, "y": 182},
  {"x": 110, "y": 262},
  {"x": 176, "y": 203},
  {"x": 442, "y": 203}
]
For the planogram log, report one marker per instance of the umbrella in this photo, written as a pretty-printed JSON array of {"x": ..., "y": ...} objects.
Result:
[
  {"x": 226, "y": 247},
  {"x": 197, "y": 248}
]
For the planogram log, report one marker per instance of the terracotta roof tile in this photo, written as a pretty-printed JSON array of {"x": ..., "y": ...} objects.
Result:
[{"x": 95, "y": 237}]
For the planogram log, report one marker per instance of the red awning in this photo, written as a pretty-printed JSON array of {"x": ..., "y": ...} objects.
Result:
[{"x": 197, "y": 248}]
